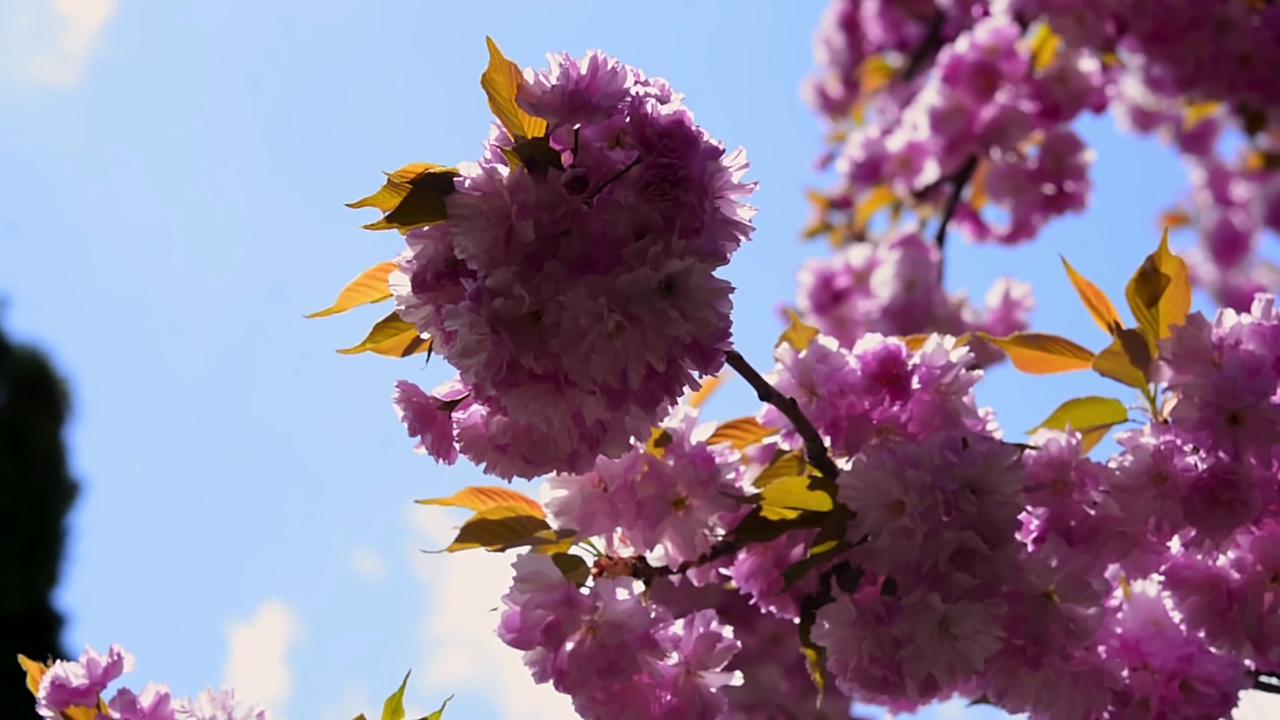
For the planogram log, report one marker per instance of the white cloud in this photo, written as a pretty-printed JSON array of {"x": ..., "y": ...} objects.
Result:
[
  {"x": 463, "y": 653},
  {"x": 368, "y": 564},
  {"x": 50, "y": 41},
  {"x": 257, "y": 656}
]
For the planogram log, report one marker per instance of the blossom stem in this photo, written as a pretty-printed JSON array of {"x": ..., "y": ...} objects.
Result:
[
  {"x": 611, "y": 180},
  {"x": 815, "y": 449}
]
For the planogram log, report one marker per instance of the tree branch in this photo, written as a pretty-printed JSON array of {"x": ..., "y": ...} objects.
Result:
[
  {"x": 815, "y": 449},
  {"x": 958, "y": 181}
]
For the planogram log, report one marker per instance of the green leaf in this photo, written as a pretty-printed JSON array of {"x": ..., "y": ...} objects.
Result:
[
  {"x": 573, "y": 567},
  {"x": 369, "y": 286},
  {"x": 393, "y": 708},
  {"x": 1041, "y": 353},
  {"x": 391, "y": 337},
  {"x": 1090, "y": 416},
  {"x": 1159, "y": 293},
  {"x": 784, "y": 499},
  {"x": 438, "y": 714},
  {"x": 1096, "y": 301},
  {"x": 501, "y": 82}
]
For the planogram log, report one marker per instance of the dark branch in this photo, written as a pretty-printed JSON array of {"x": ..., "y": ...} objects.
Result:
[
  {"x": 958, "y": 181},
  {"x": 814, "y": 448},
  {"x": 1266, "y": 682},
  {"x": 610, "y": 180},
  {"x": 927, "y": 48}
]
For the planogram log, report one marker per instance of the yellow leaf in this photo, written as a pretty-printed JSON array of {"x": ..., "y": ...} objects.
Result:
[
  {"x": 1195, "y": 113},
  {"x": 659, "y": 439},
  {"x": 741, "y": 433},
  {"x": 439, "y": 713},
  {"x": 788, "y": 497},
  {"x": 396, "y": 187},
  {"x": 798, "y": 335},
  {"x": 1040, "y": 353},
  {"x": 369, "y": 286},
  {"x": 393, "y": 707},
  {"x": 391, "y": 337},
  {"x": 1159, "y": 293},
  {"x": 1090, "y": 416},
  {"x": 413, "y": 197},
  {"x": 874, "y": 74},
  {"x": 1096, "y": 301},
  {"x": 915, "y": 343},
  {"x": 1044, "y": 46},
  {"x": 784, "y": 465},
  {"x": 708, "y": 386},
  {"x": 34, "y": 671},
  {"x": 1122, "y": 360},
  {"x": 880, "y": 197},
  {"x": 501, "y": 81},
  {"x": 1173, "y": 219},
  {"x": 480, "y": 497}
]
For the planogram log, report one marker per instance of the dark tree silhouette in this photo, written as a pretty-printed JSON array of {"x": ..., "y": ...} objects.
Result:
[{"x": 35, "y": 494}]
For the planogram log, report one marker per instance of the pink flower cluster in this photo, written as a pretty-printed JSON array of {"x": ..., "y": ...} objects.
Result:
[
  {"x": 72, "y": 684},
  {"x": 999, "y": 82},
  {"x": 965, "y": 89},
  {"x": 891, "y": 287},
  {"x": 578, "y": 299},
  {"x": 1034, "y": 577}
]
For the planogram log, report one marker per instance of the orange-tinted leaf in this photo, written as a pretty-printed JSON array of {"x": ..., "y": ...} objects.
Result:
[
  {"x": 1159, "y": 293},
  {"x": 480, "y": 497},
  {"x": 34, "y": 671},
  {"x": 369, "y": 286},
  {"x": 871, "y": 203},
  {"x": 741, "y": 433},
  {"x": 787, "y": 497},
  {"x": 1041, "y": 353},
  {"x": 1115, "y": 363},
  {"x": 391, "y": 337},
  {"x": 1173, "y": 218},
  {"x": 978, "y": 184},
  {"x": 500, "y": 81},
  {"x": 784, "y": 465},
  {"x": 916, "y": 343},
  {"x": 798, "y": 335},
  {"x": 709, "y": 386},
  {"x": 1259, "y": 161},
  {"x": 1096, "y": 301}
]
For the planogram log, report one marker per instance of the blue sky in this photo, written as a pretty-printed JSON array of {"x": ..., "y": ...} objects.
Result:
[{"x": 174, "y": 177}]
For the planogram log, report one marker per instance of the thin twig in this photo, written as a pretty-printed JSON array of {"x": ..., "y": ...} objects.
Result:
[
  {"x": 814, "y": 448},
  {"x": 610, "y": 180},
  {"x": 958, "y": 181}
]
